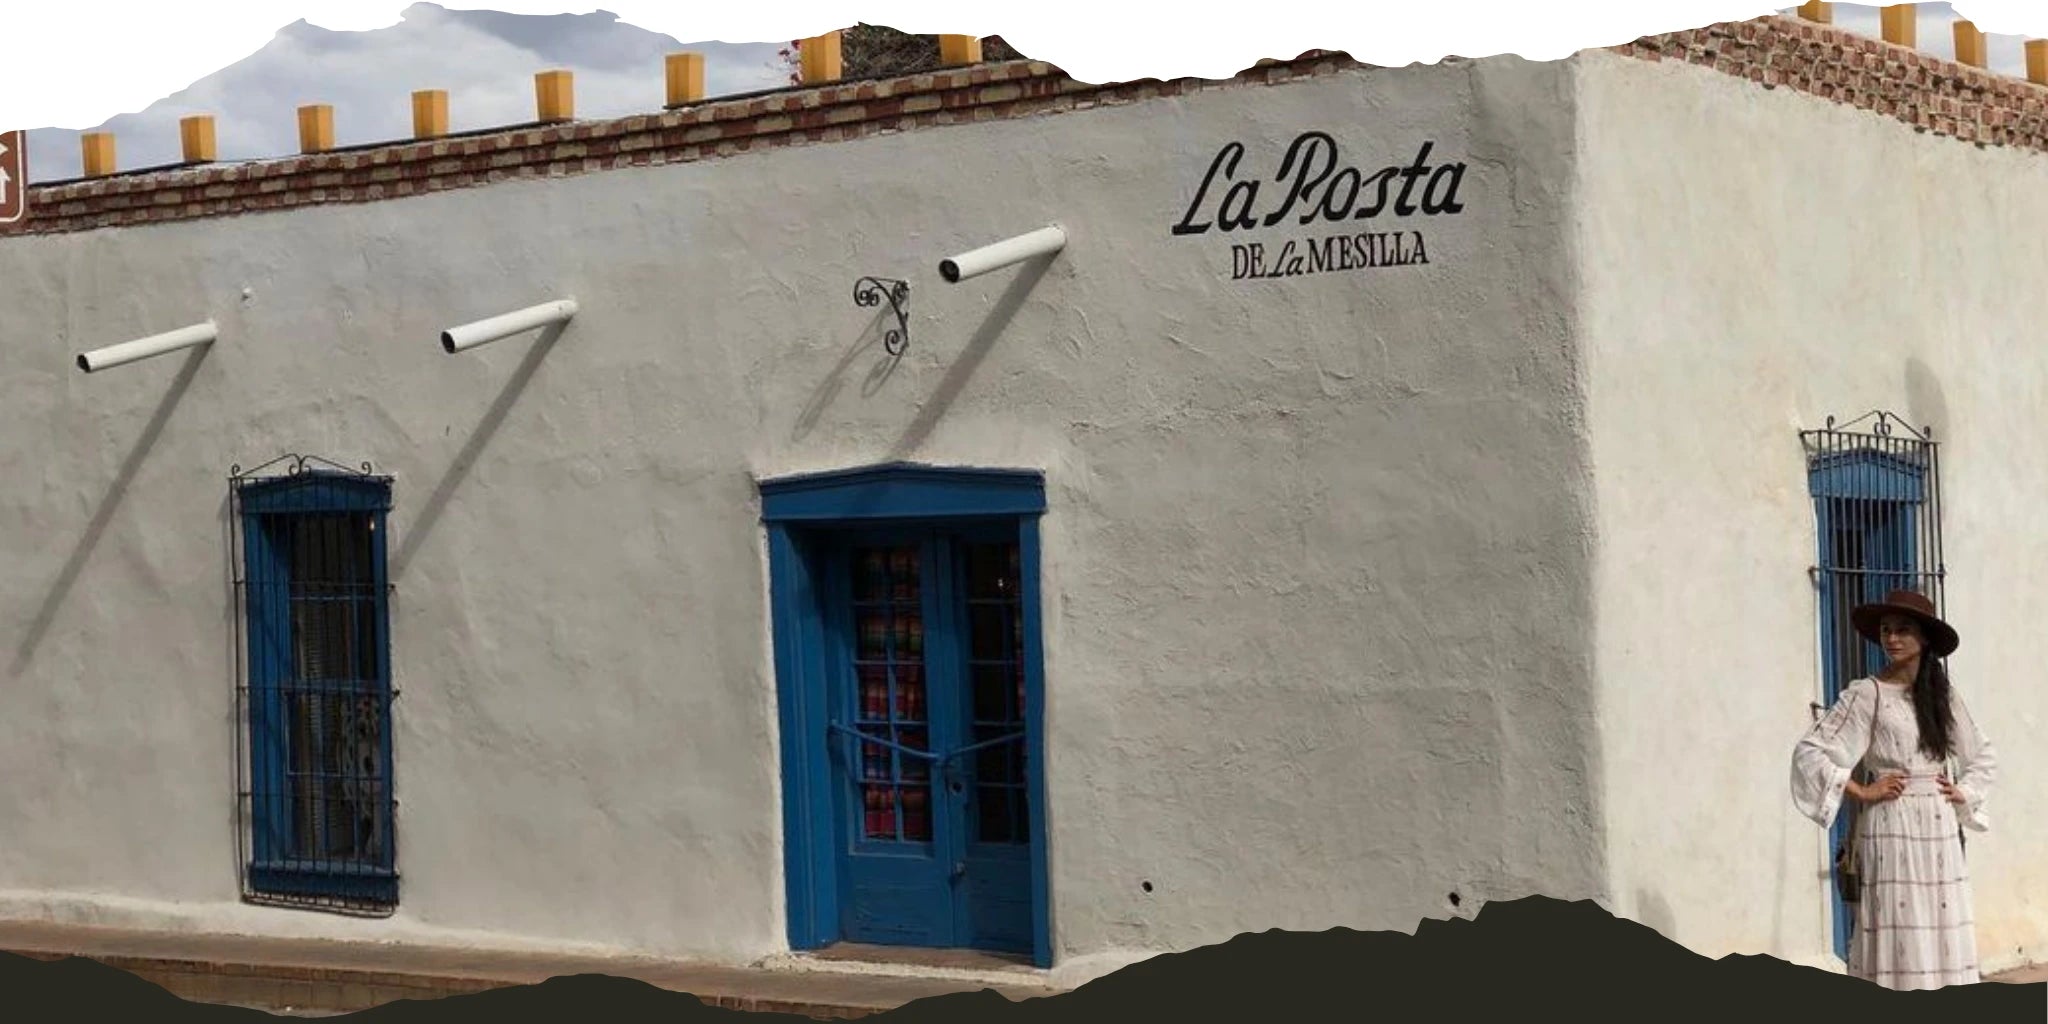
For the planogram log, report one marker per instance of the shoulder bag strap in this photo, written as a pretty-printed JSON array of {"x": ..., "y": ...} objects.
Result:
[{"x": 1877, "y": 705}]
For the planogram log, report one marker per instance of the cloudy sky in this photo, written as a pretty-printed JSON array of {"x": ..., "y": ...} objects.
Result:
[{"x": 485, "y": 60}]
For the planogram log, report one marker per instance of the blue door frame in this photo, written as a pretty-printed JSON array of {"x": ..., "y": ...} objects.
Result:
[
  {"x": 1866, "y": 504},
  {"x": 810, "y": 522}
]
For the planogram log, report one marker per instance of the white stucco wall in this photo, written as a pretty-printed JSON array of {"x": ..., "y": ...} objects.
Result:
[
  {"x": 1754, "y": 262},
  {"x": 1316, "y": 565}
]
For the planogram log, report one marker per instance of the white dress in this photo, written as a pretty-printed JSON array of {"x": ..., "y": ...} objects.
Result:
[{"x": 1914, "y": 925}]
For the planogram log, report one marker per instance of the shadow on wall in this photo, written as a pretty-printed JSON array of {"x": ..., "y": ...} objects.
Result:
[
  {"x": 1652, "y": 910},
  {"x": 109, "y": 504},
  {"x": 970, "y": 358},
  {"x": 949, "y": 388},
  {"x": 828, "y": 389},
  {"x": 437, "y": 502},
  {"x": 1926, "y": 402}
]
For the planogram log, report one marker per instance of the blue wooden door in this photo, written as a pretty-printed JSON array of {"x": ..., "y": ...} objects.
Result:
[{"x": 926, "y": 705}]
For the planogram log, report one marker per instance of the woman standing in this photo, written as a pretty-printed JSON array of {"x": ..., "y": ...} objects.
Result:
[{"x": 1914, "y": 925}]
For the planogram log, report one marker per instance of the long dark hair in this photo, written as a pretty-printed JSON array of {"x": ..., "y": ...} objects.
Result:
[{"x": 1931, "y": 705}]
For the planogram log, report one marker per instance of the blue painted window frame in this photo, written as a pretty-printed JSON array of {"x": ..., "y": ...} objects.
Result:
[
  {"x": 1900, "y": 484},
  {"x": 898, "y": 493},
  {"x": 272, "y": 871}
]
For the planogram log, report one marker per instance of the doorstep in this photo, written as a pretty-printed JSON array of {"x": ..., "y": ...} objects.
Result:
[{"x": 319, "y": 977}]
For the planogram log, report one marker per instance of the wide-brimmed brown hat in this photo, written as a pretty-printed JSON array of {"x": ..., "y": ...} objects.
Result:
[{"x": 1941, "y": 637}]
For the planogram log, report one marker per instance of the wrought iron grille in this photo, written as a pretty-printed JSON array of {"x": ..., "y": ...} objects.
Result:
[
  {"x": 1877, "y": 503},
  {"x": 1876, "y": 489},
  {"x": 314, "y": 685}
]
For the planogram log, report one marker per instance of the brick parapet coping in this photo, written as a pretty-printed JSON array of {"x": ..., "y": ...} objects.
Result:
[
  {"x": 710, "y": 130},
  {"x": 1927, "y": 92},
  {"x": 1922, "y": 90}
]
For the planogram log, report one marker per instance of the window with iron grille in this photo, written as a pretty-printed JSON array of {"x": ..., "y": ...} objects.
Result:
[
  {"x": 316, "y": 686},
  {"x": 1876, "y": 495}
]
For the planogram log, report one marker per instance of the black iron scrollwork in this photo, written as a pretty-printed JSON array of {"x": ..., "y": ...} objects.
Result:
[
  {"x": 296, "y": 464},
  {"x": 870, "y": 291},
  {"x": 1881, "y": 425}
]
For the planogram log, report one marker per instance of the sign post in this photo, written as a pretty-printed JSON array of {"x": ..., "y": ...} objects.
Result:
[{"x": 13, "y": 176}]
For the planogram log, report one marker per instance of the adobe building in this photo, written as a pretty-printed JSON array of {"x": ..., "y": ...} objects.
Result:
[{"x": 1362, "y": 493}]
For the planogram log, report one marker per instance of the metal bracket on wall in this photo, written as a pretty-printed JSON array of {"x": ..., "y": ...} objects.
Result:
[{"x": 870, "y": 291}]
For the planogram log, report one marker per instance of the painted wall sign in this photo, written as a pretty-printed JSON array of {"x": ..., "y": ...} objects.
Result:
[
  {"x": 1313, "y": 187},
  {"x": 13, "y": 176}
]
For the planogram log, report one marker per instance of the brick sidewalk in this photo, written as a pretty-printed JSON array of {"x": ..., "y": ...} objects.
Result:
[{"x": 324, "y": 977}]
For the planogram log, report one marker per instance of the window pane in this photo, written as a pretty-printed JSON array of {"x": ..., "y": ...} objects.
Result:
[
  {"x": 994, "y": 639},
  {"x": 993, "y": 820},
  {"x": 992, "y": 693},
  {"x": 889, "y": 675}
]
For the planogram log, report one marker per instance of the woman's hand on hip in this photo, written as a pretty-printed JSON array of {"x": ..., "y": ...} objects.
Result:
[
  {"x": 1954, "y": 795},
  {"x": 1887, "y": 788}
]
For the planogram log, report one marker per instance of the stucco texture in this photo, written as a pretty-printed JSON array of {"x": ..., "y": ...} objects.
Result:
[
  {"x": 1755, "y": 261},
  {"x": 1317, "y": 562}
]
